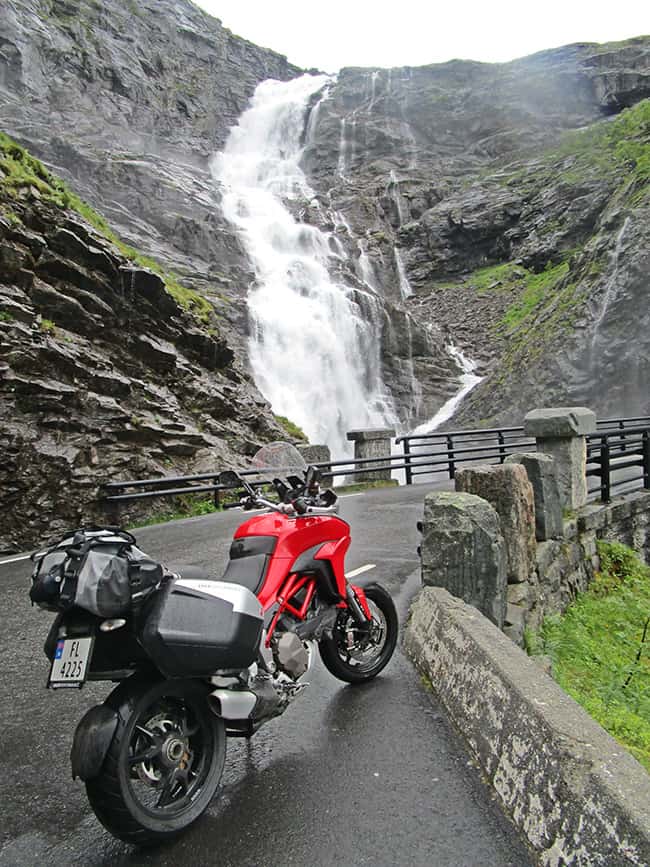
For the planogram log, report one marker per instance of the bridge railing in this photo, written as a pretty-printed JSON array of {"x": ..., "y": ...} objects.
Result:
[{"x": 618, "y": 458}]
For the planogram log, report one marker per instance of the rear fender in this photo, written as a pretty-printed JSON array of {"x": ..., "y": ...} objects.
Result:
[{"x": 91, "y": 741}]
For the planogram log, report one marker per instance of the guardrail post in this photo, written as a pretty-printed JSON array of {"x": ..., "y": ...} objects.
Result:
[
  {"x": 502, "y": 443},
  {"x": 604, "y": 462},
  {"x": 408, "y": 472},
  {"x": 562, "y": 433},
  {"x": 450, "y": 455},
  {"x": 645, "y": 447},
  {"x": 371, "y": 444}
]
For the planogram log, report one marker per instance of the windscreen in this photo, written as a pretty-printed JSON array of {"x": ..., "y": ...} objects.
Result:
[{"x": 279, "y": 459}]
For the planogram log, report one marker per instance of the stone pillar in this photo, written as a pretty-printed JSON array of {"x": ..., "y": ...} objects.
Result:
[
  {"x": 548, "y": 511},
  {"x": 464, "y": 552},
  {"x": 562, "y": 433},
  {"x": 371, "y": 444}
]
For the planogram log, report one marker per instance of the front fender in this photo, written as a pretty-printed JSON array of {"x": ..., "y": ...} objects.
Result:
[{"x": 91, "y": 741}]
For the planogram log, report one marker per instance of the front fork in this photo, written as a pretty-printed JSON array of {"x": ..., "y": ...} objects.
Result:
[{"x": 358, "y": 604}]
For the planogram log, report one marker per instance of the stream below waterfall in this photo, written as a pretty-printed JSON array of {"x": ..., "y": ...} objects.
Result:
[{"x": 315, "y": 341}]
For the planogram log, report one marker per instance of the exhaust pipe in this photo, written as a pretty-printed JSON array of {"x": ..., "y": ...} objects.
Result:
[{"x": 232, "y": 704}]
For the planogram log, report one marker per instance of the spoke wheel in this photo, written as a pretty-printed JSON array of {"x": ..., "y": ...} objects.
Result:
[
  {"x": 356, "y": 653},
  {"x": 164, "y": 763}
]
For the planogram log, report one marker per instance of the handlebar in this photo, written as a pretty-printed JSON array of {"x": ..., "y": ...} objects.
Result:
[
  {"x": 305, "y": 501},
  {"x": 287, "y": 509}
]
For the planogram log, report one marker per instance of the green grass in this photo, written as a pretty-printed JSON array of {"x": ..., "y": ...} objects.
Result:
[
  {"x": 618, "y": 146},
  {"x": 538, "y": 289},
  {"x": 600, "y": 648},
  {"x": 20, "y": 172}
]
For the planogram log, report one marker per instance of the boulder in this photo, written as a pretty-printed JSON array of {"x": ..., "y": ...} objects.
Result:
[
  {"x": 463, "y": 551},
  {"x": 509, "y": 491}
]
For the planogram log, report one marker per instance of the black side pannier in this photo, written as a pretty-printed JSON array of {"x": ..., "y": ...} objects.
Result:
[
  {"x": 99, "y": 569},
  {"x": 198, "y": 626}
]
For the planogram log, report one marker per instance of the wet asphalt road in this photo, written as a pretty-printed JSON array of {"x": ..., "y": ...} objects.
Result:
[{"x": 371, "y": 775}]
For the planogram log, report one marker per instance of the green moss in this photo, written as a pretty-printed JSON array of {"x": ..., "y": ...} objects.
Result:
[
  {"x": 292, "y": 429},
  {"x": 495, "y": 277},
  {"x": 21, "y": 171},
  {"x": 600, "y": 648},
  {"x": 5, "y": 316},
  {"x": 47, "y": 326}
]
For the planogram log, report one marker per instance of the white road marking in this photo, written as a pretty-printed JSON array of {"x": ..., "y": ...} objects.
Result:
[
  {"x": 15, "y": 559},
  {"x": 360, "y": 570}
]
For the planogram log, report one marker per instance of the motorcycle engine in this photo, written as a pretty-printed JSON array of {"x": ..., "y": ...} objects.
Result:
[{"x": 291, "y": 655}]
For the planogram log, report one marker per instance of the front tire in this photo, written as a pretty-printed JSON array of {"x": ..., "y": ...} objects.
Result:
[
  {"x": 164, "y": 763},
  {"x": 355, "y": 655}
]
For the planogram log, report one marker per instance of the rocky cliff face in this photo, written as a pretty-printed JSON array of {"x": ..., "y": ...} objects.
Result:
[
  {"x": 127, "y": 100},
  {"x": 515, "y": 202},
  {"x": 105, "y": 372}
]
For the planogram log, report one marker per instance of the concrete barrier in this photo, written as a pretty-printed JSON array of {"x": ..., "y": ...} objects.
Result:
[{"x": 573, "y": 791}]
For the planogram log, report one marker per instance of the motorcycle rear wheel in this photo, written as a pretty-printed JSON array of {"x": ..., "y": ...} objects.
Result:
[
  {"x": 353, "y": 656},
  {"x": 164, "y": 763}
]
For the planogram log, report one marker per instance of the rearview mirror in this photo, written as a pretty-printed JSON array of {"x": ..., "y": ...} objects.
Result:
[{"x": 229, "y": 479}]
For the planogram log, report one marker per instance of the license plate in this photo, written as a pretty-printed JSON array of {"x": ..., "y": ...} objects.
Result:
[{"x": 70, "y": 662}]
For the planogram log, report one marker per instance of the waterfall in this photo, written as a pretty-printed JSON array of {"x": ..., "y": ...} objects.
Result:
[
  {"x": 468, "y": 381},
  {"x": 314, "y": 345},
  {"x": 404, "y": 285},
  {"x": 610, "y": 290}
]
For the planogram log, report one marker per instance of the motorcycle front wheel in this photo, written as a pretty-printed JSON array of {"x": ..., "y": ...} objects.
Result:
[
  {"x": 356, "y": 654},
  {"x": 164, "y": 763}
]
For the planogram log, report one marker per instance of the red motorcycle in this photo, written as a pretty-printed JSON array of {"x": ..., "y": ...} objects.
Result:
[{"x": 200, "y": 658}]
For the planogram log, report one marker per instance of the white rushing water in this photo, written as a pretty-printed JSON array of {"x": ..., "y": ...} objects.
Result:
[
  {"x": 612, "y": 284},
  {"x": 314, "y": 348},
  {"x": 468, "y": 381}
]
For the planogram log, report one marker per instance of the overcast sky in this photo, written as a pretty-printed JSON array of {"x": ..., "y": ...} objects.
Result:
[{"x": 330, "y": 35}]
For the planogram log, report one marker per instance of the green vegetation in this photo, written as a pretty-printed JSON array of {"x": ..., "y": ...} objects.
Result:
[
  {"x": 47, "y": 326},
  {"x": 600, "y": 648},
  {"x": 5, "y": 316},
  {"x": 189, "y": 506},
  {"x": 20, "y": 171},
  {"x": 538, "y": 289},
  {"x": 609, "y": 147},
  {"x": 292, "y": 429}
]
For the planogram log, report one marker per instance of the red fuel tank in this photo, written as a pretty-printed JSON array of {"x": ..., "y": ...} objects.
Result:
[{"x": 295, "y": 536}]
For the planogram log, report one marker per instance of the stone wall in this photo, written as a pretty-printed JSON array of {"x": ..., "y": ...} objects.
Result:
[
  {"x": 569, "y": 787},
  {"x": 560, "y": 568}
]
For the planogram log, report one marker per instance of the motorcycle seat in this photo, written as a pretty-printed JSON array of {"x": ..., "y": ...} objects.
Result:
[
  {"x": 248, "y": 572},
  {"x": 195, "y": 573}
]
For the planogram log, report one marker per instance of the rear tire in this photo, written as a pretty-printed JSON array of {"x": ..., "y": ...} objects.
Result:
[
  {"x": 164, "y": 763},
  {"x": 370, "y": 653}
]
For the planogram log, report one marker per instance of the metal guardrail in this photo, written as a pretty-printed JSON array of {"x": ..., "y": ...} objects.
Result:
[
  {"x": 619, "y": 458},
  {"x": 620, "y": 445}
]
